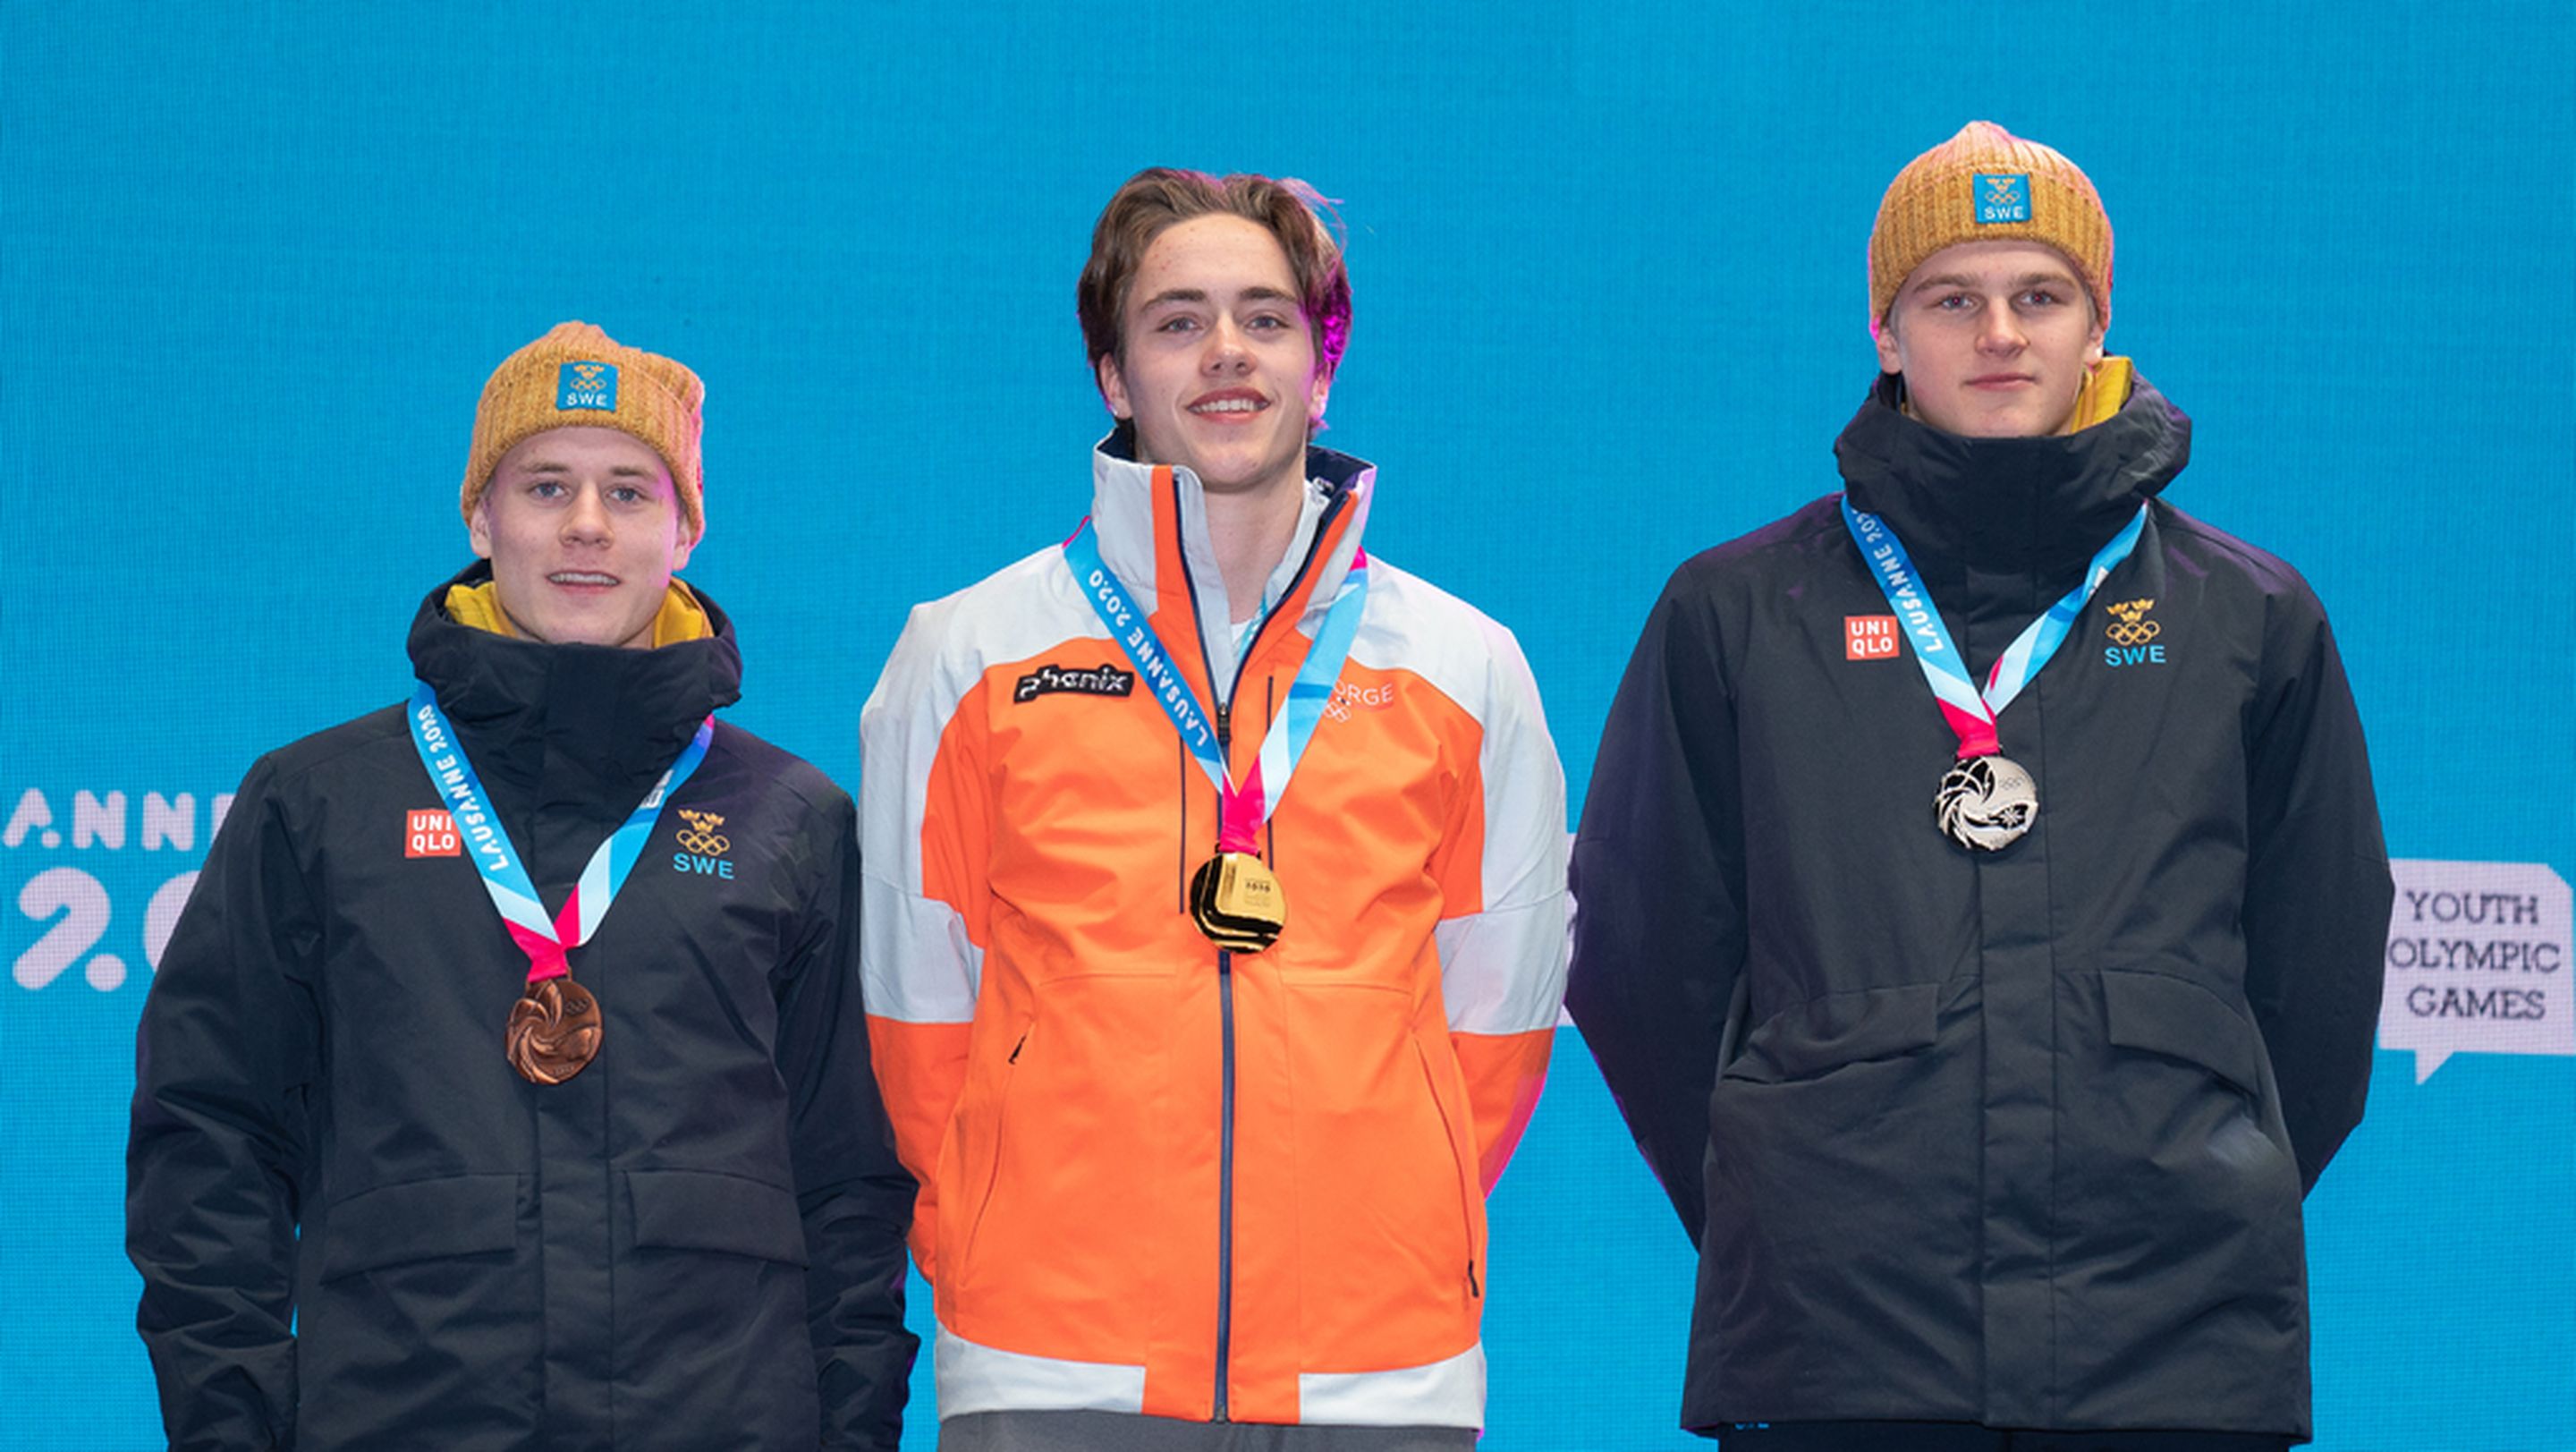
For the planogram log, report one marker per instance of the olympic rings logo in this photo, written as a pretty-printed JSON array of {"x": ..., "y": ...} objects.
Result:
[
  {"x": 2129, "y": 623},
  {"x": 701, "y": 836}
]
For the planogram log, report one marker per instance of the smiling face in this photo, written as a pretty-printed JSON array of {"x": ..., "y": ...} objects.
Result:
[
  {"x": 582, "y": 526},
  {"x": 1994, "y": 339},
  {"x": 1218, "y": 367}
]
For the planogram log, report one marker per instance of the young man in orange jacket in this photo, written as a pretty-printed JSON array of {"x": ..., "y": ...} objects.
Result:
[{"x": 1216, "y": 903}]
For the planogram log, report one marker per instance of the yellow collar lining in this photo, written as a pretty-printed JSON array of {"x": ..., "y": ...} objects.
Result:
[{"x": 680, "y": 618}]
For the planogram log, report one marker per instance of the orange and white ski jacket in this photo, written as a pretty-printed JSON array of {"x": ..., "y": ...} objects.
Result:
[{"x": 1155, "y": 1177}]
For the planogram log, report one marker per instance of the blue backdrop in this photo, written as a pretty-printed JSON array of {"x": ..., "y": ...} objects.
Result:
[{"x": 1609, "y": 269}]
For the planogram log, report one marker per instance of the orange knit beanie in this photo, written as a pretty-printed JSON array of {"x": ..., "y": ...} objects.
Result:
[
  {"x": 1984, "y": 185},
  {"x": 577, "y": 375}
]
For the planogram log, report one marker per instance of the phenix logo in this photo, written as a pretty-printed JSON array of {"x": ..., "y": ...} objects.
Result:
[
  {"x": 1100, "y": 680},
  {"x": 2132, "y": 635}
]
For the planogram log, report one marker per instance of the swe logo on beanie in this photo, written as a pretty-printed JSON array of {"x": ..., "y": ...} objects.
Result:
[
  {"x": 586, "y": 385},
  {"x": 2002, "y": 198}
]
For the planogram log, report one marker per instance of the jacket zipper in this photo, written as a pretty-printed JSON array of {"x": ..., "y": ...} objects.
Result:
[
  {"x": 1225, "y": 957},
  {"x": 1225, "y": 1191},
  {"x": 1224, "y": 1146}
]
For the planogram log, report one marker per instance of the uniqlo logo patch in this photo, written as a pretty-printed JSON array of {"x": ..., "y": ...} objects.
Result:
[
  {"x": 430, "y": 834},
  {"x": 1869, "y": 637}
]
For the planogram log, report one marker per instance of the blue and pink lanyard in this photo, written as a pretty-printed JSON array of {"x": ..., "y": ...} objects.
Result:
[
  {"x": 1972, "y": 713},
  {"x": 505, "y": 876},
  {"x": 1242, "y": 807}
]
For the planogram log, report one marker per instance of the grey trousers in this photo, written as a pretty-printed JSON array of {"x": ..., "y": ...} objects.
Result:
[{"x": 1120, "y": 1432}]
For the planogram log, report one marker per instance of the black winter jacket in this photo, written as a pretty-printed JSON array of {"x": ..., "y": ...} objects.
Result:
[
  {"x": 359, "y": 1228},
  {"x": 2018, "y": 1137}
]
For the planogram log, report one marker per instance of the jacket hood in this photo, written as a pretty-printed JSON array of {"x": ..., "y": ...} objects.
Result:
[
  {"x": 591, "y": 723},
  {"x": 2018, "y": 504},
  {"x": 1151, "y": 521}
]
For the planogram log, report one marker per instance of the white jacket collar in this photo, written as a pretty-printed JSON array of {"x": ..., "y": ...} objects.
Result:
[{"x": 1123, "y": 516}]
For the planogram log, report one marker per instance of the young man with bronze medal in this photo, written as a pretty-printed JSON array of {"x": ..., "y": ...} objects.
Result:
[
  {"x": 1989, "y": 1104},
  {"x": 396, "y": 1179},
  {"x": 1216, "y": 903}
]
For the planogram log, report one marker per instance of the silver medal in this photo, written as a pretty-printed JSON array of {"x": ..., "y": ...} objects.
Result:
[{"x": 1986, "y": 803}]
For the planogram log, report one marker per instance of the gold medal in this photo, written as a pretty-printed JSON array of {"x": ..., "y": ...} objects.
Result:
[
  {"x": 1237, "y": 902},
  {"x": 554, "y": 1031}
]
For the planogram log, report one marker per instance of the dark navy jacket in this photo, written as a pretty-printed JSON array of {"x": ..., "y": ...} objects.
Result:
[
  {"x": 359, "y": 1228},
  {"x": 2019, "y": 1137}
]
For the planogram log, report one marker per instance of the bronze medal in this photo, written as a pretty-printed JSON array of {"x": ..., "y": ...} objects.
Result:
[
  {"x": 554, "y": 1031},
  {"x": 1237, "y": 902},
  {"x": 1986, "y": 802}
]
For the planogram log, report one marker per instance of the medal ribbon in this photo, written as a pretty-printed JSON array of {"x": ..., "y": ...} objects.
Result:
[
  {"x": 1244, "y": 807},
  {"x": 1972, "y": 714},
  {"x": 505, "y": 877}
]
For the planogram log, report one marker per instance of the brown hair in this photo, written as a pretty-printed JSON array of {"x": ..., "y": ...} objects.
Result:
[{"x": 1160, "y": 196}]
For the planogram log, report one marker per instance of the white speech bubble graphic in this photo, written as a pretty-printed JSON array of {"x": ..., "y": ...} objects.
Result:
[{"x": 2478, "y": 962}]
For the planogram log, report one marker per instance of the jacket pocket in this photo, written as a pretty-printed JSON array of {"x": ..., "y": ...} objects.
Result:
[
  {"x": 1837, "y": 1029},
  {"x": 2162, "y": 1014},
  {"x": 1454, "y": 1123},
  {"x": 987, "y": 1165},
  {"x": 2174, "y": 1115},
  {"x": 703, "y": 1210},
  {"x": 424, "y": 1220}
]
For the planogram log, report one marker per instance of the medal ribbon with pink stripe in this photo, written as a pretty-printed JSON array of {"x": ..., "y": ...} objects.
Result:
[
  {"x": 1242, "y": 806},
  {"x": 1972, "y": 713},
  {"x": 546, "y": 942}
]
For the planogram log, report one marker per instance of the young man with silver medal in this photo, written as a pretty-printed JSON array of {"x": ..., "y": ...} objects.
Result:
[
  {"x": 505, "y": 1083},
  {"x": 1983, "y": 892},
  {"x": 1216, "y": 903}
]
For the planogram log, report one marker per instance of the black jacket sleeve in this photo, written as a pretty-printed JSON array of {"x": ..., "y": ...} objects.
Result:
[
  {"x": 230, "y": 1043},
  {"x": 1659, "y": 930},
  {"x": 2317, "y": 891},
  {"x": 855, "y": 1196}
]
